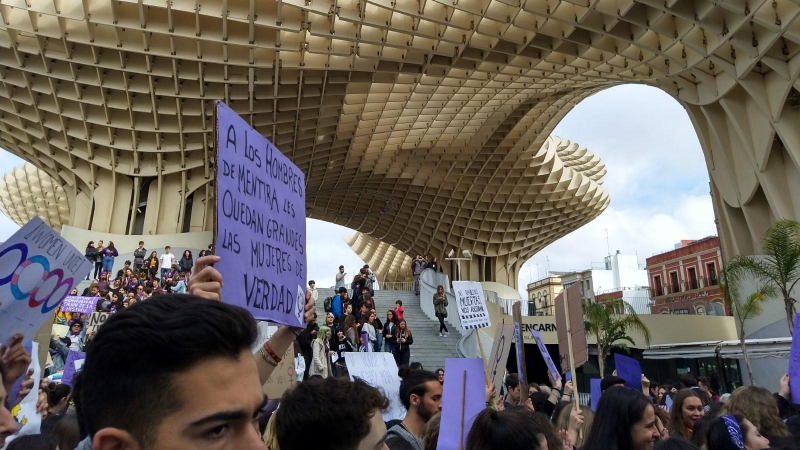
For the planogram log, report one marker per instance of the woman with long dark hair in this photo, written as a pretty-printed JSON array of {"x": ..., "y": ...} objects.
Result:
[
  {"x": 91, "y": 256},
  {"x": 734, "y": 432},
  {"x": 186, "y": 264},
  {"x": 109, "y": 253},
  {"x": 625, "y": 420},
  {"x": 98, "y": 259},
  {"x": 388, "y": 331},
  {"x": 687, "y": 408},
  {"x": 403, "y": 339},
  {"x": 440, "y": 306},
  {"x": 152, "y": 264}
]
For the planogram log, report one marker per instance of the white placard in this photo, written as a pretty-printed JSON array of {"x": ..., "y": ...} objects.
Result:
[
  {"x": 379, "y": 370},
  {"x": 38, "y": 269},
  {"x": 265, "y": 331},
  {"x": 471, "y": 305},
  {"x": 25, "y": 413}
]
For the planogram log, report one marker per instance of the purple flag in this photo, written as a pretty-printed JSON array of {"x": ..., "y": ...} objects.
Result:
[
  {"x": 596, "y": 391},
  {"x": 629, "y": 370},
  {"x": 461, "y": 393},
  {"x": 74, "y": 303},
  {"x": 69, "y": 366},
  {"x": 794, "y": 362},
  {"x": 551, "y": 365},
  {"x": 261, "y": 223}
]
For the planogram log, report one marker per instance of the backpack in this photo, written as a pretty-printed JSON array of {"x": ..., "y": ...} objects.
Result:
[{"x": 328, "y": 304}]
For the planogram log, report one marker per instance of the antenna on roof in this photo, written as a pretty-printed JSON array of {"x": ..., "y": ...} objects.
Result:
[{"x": 608, "y": 247}]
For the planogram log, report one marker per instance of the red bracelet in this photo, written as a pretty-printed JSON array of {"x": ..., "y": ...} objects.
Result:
[{"x": 272, "y": 352}]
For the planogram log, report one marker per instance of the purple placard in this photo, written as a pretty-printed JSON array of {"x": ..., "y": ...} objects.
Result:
[
  {"x": 74, "y": 303},
  {"x": 794, "y": 362},
  {"x": 551, "y": 365},
  {"x": 596, "y": 391},
  {"x": 629, "y": 370},
  {"x": 668, "y": 403},
  {"x": 261, "y": 223},
  {"x": 474, "y": 400},
  {"x": 69, "y": 366},
  {"x": 568, "y": 376}
]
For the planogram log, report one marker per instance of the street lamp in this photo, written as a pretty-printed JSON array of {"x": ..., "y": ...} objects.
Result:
[{"x": 451, "y": 256}]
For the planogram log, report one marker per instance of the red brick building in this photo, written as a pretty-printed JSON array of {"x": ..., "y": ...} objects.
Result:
[{"x": 686, "y": 280}]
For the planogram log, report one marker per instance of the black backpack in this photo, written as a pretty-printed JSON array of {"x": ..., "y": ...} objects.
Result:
[{"x": 328, "y": 304}]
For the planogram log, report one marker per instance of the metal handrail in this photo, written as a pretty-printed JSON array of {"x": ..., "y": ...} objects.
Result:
[{"x": 397, "y": 286}]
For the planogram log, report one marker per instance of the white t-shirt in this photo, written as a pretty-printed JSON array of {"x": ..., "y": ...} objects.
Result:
[{"x": 166, "y": 260}]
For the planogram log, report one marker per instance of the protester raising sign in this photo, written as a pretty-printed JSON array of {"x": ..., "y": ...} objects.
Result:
[
  {"x": 471, "y": 305},
  {"x": 37, "y": 270},
  {"x": 379, "y": 370},
  {"x": 500, "y": 348},
  {"x": 260, "y": 226}
]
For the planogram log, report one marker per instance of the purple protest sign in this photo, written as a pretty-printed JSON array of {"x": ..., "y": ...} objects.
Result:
[
  {"x": 463, "y": 397},
  {"x": 74, "y": 303},
  {"x": 596, "y": 391},
  {"x": 629, "y": 370},
  {"x": 70, "y": 366},
  {"x": 794, "y": 362},
  {"x": 551, "y": 365},
  {"x": 261, "y": 223}
]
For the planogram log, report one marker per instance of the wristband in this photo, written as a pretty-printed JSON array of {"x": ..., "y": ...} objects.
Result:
[
  {"x": 271, "y": 352},
  {"x": 266, "y": 358}
]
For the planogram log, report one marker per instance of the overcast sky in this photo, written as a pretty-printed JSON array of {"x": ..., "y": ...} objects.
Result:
[{"x": 657, "y": 180}]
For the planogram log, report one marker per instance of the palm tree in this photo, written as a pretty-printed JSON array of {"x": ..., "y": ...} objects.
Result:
[
  {"x": 609, "y": 320},
  {"x": 778, "y": 269},
  {"x": 743, "y": 310}
]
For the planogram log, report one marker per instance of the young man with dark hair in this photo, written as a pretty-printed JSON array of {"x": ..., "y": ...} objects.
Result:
[
  {"x": 177, "y": 372},
  {"x": 344, "y": 414},
  {"x": 514, "y": 395},
  {"x": 421, "y": 394}
]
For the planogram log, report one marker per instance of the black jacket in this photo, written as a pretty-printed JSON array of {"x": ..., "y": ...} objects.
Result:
[
  {"x": 340, "y": 347},
  {"x": 388, "y": 328},
  {"x": 186, "y": 264}
]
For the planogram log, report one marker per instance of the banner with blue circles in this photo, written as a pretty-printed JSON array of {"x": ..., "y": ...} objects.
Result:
[{"x": 38, "y": 269}]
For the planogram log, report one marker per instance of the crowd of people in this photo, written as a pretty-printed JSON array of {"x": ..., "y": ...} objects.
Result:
[{"x": 177, "y": 372}]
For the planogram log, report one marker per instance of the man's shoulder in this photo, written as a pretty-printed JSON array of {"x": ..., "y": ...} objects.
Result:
[{"x": 398, "y": 438}]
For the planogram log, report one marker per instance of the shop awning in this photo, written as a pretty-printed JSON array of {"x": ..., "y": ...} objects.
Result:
[{"x": 756, "y": 348}]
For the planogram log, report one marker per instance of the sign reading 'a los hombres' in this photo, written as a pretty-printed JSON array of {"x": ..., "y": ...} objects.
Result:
[
  {"x": 261, "y": 223},
  {"x": 471, "y": 304}
]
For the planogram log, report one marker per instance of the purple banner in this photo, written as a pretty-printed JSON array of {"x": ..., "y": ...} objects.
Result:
[
  {"x": 74, "y": 303},
  {"x": 551, "y": 365},
  {"x": 261, "y": 223},
  {"x": 69, "y": 366},
  {"x": 629, "y": 370},
  {"x": 794, "y": 362},
  {"x": 461, "y": 392},
  {"x": 596, "y": 391}
]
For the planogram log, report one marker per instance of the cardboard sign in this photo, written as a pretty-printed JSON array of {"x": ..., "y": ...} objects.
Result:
[
  {"x": 581, "y": 350},
  {"x": 629, "y": 370},
  {"x": 72, "y": 365},
  {"x": 74, "y": 303},
  {"x": 522, "y": 370},
  {"x": 95, "y": 321},
  {"x": 551, "y": 365},
  {"x": 379, "y": 370},
  {"x": 260, "y": 231},
  {"x": 471, "y": 305},
  {"x": 265, "y": 331},
  {"x": 794, "y": 362},
  {"x": 282, "y": 378},
  {"x": 668, "y": 403},
  {"x": 38, "y": 269},
  {"x": 499, "y": 356},
  {"x": 462, "y": 400},
  {"x": 596, "y": 391}
]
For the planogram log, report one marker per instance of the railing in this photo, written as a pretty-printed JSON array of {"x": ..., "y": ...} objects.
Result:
[{"x": 397, "y": 286}]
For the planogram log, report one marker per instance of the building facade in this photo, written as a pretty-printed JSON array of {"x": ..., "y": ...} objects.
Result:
[
  {"x": 619, "y": 276},
  {"x": 686, "y": 280},
  {"x": 541, "y": 295}
]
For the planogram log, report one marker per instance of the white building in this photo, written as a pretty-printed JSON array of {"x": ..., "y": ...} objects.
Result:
[{"x": 619, "y": 276}]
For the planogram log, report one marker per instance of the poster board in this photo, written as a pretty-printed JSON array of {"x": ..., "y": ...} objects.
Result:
[
  {"x": 581, "y": 350},
  {"x": 75, "y": 303},
  {"x": 38, "y": 269},
  {"x": 503, "y": 337},
  {"x": 548, "y": 360},
  {"x": 472, "y": 309},
  {"x": 96, "y": 320},
  {"x": 794, "y": 362},
  {"x": 629, "y": 370},
  {"x": 260, "y": 225},
  {"x": 522, "y": 370},
  {"x": 379, "y": 370},
  {"x": 462, "y": 400},
  {"x": 282, "y": 378}
]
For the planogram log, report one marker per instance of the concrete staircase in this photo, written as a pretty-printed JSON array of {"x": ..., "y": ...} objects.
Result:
[{"x": 428, "y": 348}]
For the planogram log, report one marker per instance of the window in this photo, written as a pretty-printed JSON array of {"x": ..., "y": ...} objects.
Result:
[
  {"x": 712, "y": 274},
  {"x": 659, "y": 287},
  {"x": 673, "y": 278},
  {"x": 693, "y": 278},
  {"x": 700, "y": 310}
]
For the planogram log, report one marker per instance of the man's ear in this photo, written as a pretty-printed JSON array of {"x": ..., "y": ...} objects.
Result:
[
  {"x": 114, "y": 439},
  {"x": 414, "y": 400}
]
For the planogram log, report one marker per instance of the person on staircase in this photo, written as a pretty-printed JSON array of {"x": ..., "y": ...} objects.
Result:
[
  {"x": 321, "y": 354},
  {"x": 403, "y": 339},
  {"x": 388, "y": 331},
  {"x": 370, "y": 327},
  {"x": 440, "y": 307},
  {"x": 337, "y": 303},
  {"x": 378, "y": 331}
]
